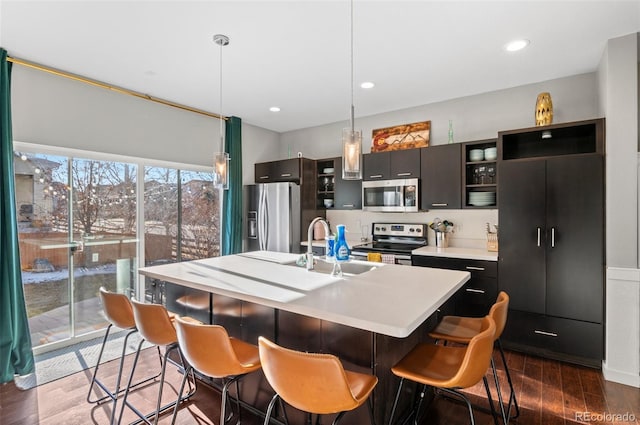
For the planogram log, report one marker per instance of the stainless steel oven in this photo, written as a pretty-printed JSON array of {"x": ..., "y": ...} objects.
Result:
[
  {"x": 394, "y": 241},
  {"x": 399, "y": 195}
]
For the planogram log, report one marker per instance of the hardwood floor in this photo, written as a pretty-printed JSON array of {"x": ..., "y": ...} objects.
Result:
[{"x": 549, "y": 393}]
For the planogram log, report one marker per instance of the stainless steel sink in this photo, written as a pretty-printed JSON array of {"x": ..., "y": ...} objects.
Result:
[{"x": 349, "y": 268}]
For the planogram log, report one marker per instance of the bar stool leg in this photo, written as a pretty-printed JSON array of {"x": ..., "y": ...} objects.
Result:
[
  {"x": 272, "y": 403},
  {"x": 395, "y": 402},
  {"x": 512, "y": 394}
]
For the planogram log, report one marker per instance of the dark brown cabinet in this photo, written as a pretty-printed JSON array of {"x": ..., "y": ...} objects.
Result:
[
  {"x": 479, "y": 176},
  {"x": 440, "y": 173},
  {"x": 346, "y": 194},
  {"x": 286, "y": 170},
  {"x": 401, "y": 164},
  {"x": 477, "y": 296},
  {"x": 551, "y": 261}
]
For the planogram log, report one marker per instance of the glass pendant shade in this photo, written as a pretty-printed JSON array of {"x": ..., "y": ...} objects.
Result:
[
  {"x": 221, "y": 170},
  {"x": 351, "y": 154}
]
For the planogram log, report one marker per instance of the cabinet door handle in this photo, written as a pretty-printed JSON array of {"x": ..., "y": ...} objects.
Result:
[
  {"x": 553, "y": 237},
  {"x": 347, "y": 205},
  {"x": 538, "y": 236},
  {"x": 376, "y": 176},
  {"x": 439, "y": 205},
  {"x": 263, "y": 177},
  {"x": 403, "y": 174},
  {"x": 545, "y": 333},
  {"x": 475, "y": 291},
  {"x": 285, "y": 175},
  {"x": 480, "y": 269}
]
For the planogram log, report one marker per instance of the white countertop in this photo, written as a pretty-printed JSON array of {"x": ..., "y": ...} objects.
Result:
[
  {"x": 464, "y": 253},
  {"x": 391, "y": 299}
]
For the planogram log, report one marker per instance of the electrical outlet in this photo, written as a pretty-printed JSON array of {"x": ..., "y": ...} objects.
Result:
[{"x": 95, "y": 257}]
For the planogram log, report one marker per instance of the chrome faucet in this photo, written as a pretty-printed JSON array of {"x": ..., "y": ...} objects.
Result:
[{"x": 310, "y": 239}]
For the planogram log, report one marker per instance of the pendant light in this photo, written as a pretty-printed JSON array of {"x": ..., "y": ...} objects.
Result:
[
  {"x": 221, "y": 158},
  {"x": 351, "y": 138}
]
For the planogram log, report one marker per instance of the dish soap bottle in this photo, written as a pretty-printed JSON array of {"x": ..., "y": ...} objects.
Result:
[{"x": 341, "y": 248}]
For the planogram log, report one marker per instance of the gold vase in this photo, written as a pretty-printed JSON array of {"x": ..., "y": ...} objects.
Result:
[{"x": 544, "y": 109}]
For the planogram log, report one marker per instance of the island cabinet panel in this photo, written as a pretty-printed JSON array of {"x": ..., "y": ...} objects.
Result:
[
  {"x": 477, "y": 296},
  {"x": 551, "y": 261},
  {"x": 185, "y": 301},
  {"x": 441, "y": 177}
]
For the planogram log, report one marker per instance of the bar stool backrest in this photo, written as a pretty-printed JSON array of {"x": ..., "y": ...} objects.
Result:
[
  {"x": 311, "y": 382},
  {"x": 476, "y": 358},
  {"x": 208, "y": 349},
  {"x": 117, "y": 309},
  {"x": 153, "y": 323},
  {"x": 499, "y": 312}
]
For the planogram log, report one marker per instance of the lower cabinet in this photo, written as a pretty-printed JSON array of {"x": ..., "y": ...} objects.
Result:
[
  {"x": 477, "y": 296},
  {"x": 555, "y": 337}
]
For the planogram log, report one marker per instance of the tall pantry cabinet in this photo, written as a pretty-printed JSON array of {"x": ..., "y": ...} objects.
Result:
[{"x": 551, "y": 258}]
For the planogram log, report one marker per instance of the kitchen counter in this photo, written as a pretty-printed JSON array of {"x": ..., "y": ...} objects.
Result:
[
  {"x": 390, "y": 299},
  {"x": 463, "y": 253}
]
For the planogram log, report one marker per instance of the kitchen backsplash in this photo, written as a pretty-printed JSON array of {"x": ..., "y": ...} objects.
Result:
[{"x": 469, "y": 225}]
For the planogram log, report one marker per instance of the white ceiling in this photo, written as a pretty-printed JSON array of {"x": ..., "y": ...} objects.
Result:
[{"x": 295, "y": 54}]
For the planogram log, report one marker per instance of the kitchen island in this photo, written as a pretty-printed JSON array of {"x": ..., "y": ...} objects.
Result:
[{"x": 369, "y": 318}]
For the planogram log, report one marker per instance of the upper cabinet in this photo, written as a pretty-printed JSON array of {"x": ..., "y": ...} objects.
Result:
[
  {"x": 286, "y": 170},
  {"x": 401, "y": 164},
  {"x": 333, "y": 191},
  {"x": 480, "y": 174},
  {"x": 440, "y": 177}
]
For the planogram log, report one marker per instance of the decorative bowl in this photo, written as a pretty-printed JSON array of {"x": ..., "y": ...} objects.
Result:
[
  {"x": 490, "y": 154},
  {"x": 328, "y": 170},
  {"x": 476, "y": 154},
  {"x": 328, "y": 203}
]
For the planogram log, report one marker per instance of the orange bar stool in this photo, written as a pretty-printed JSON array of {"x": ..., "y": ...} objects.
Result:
[
  {"x": 314, "y": 383},
  {"x": 462, "y": 329},
  {"x": 209, "y": 350},
  {"x": 119, "y": 313},
  {"x": 448, "y": 368},
  {"x": 156, "y": 327}
]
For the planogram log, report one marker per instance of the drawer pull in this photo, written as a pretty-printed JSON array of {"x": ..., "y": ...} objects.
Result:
[
  {"x": 439, "y": 205},
  {"x": 347, "y": 205},
  {"x": 376, "y": 176},
  {"x": 285, "y": 175},
  {"x": 263, "y": 177},
  {"x": 403, "y": 174},
  {"x": 545, "y": 333},
  {"x": 475, "y": 291},
  {"x": 480, "y": 269}
]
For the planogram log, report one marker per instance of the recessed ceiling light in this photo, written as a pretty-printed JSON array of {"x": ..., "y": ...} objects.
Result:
[
  {"x": 516, "y": 45},
  {"x": 367, "y": 85},
  {"x": 274, "y": 109}
]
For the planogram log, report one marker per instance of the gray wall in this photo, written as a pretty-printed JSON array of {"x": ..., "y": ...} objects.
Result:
[
  {"x": 56, "y": 111},
  {"x": 618, "y": 101},
  {"x": 474, "y": 117}
]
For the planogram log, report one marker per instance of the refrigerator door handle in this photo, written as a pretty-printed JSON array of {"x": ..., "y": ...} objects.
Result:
[{"x": 262, "y": 220}]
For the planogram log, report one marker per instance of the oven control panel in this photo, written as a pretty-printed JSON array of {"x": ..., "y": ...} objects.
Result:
[{"x": 395, "y": 229}]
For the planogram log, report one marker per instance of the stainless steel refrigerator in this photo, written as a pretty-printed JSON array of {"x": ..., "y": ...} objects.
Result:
[{"x": 273, "y": 217}]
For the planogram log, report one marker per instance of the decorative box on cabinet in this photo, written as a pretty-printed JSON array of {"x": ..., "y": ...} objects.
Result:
[
  {"x": 551, "y": 262},
  {"x": 440, "y": 177}
]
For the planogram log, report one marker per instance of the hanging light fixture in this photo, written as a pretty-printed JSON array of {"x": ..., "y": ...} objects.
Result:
[
  {"x": 351, "y": 138},
  {"x": 221, "y": 158}
]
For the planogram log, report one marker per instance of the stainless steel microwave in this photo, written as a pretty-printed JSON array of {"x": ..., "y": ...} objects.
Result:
[{"x": 399, "y": 195}]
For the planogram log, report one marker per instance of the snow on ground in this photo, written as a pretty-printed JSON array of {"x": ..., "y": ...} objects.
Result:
[{"x": 62, "y": 274}]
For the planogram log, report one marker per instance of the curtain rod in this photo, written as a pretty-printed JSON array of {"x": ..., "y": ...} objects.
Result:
[{"x": 110, "y": 87}]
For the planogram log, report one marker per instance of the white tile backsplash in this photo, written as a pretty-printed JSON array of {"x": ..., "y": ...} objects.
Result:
[{"x": 469, "y": 225}]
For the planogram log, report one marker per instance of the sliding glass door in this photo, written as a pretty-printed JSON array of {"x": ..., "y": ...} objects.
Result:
[{"x": 77, "y": 231}]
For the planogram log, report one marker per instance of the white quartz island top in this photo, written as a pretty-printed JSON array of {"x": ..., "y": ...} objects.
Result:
[
  {"x": 464, "y": 253},
  {"x": 389, "y": 299}
]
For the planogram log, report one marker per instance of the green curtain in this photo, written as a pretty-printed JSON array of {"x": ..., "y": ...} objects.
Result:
[
  {"x": 232, "y": 199},
  {"x": 16, "y": 357}
]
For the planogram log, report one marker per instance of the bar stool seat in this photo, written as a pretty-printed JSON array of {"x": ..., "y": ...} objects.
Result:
[
  {"x": 119, "y": 313},
  {"x": 462, "y": 329},
  {"x": 314, "y": 383},
  {"x": 156, "y": 326},
  {"x": 209, "y": 350},
  {"x": 448, "y": 368}
]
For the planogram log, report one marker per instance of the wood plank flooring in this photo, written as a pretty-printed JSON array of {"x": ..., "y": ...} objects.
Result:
[{"x": 549, "y": 393}]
